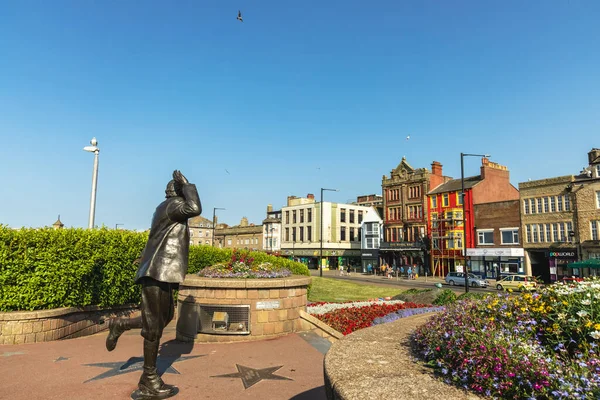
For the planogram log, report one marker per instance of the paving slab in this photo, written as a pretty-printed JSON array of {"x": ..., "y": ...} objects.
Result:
[{"x": 287, "y": 367}]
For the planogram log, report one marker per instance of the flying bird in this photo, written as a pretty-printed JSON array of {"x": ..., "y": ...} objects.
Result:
[
  {"x": 408, "y": 137},
  {"x": 227, "y": 172},
  {"x": 239, "y": 17}
]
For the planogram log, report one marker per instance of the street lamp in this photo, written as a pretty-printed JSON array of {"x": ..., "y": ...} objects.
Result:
[
  {"x": 93, "y": 149},
  {"x": 464, "y": 222},
  {"x": 213, "y": 230},
  {"x": 321, "y": 232},
  {"x": 117, "y": 226}
]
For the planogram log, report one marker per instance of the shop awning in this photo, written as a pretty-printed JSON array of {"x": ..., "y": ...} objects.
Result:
[{"x": 590, "y": 263}]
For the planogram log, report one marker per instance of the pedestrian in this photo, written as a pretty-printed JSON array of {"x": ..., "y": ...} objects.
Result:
[
  {"x": 401, "y": 271},
  {"x": 409, "y": 273}
]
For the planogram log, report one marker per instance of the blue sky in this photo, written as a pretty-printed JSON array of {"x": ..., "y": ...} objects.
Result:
[{"x": 301, "y": 95}]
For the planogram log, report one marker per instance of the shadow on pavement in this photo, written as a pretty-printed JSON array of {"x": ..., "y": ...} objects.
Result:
[{"x": 317, "y": 393}]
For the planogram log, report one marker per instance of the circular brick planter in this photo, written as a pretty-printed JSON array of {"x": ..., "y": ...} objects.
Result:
[{"x": 272, "y": 306}]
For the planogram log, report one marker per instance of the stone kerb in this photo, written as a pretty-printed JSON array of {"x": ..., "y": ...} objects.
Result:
[
  {"x": 61, "y": 323},
  {"x": 275, "y": 305},
  {"x": 376, "y": 363}
]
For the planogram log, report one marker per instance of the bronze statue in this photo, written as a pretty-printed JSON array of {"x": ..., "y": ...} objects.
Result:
[{"x": 162, "y": 267}]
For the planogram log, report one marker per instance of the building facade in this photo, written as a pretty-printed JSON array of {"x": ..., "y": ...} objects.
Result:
[
  {"x": 243, "y": 236},
  {"x": 201, "y": 230},
  {"x": 498, "y": 248},
  {"x": 405, "y": 213},
  {"x": 371, "y": 234},
  {"x": 447, "y": 224},
  {"x": 272, "y": 231},
  {"x": 301, "y": 232},
  {"x": 560, "y": 221}
]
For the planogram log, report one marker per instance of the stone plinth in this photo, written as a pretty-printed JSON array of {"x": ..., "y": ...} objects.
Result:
[{"x": 275, "y": 305}]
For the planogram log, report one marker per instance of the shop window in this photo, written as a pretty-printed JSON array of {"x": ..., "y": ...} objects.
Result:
[{"x": 485, "y": 237}]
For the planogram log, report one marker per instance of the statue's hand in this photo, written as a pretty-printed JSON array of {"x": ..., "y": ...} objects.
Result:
[{"x": 179, "y": 178}]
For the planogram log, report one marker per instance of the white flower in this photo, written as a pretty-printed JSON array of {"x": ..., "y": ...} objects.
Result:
[
  {"x": 582, "y": 313},
  {"x": 586, "y": 302},
  {"x": 561, "y": 315},
  {"x": 595, "y": 335}
]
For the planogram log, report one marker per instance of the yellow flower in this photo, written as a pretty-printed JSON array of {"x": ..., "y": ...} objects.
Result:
[
  {"x": 597, "y": 327},
  {"x": 492, "y": 319},
  {"x": 565, "y": 303},
  {"x": 588, "y": 324}
]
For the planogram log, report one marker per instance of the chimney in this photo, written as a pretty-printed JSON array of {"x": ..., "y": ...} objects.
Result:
[
  {"x": 491, "y": 170},
  {"x": 269, "y": 208},
  {"x": 244, "y": 221},
  {"x": 436, "y": 178},
  {"x": 594, "y": 156},
  {"x": 310, "y": 196}
]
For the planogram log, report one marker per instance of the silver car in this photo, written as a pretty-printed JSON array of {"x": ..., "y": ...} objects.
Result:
[{"x": 458, "y": 278}]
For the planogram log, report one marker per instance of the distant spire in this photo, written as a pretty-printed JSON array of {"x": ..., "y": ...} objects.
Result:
[{"x": 58, "y": 224}]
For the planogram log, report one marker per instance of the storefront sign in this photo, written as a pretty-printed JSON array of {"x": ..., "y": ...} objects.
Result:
[
  {"x": 496, "y": 252},
  {"x": 400, "y": 246},
  {"x": 562, "y": 254}
]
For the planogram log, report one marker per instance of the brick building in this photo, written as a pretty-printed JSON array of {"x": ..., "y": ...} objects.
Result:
[
  {"x": 200, "y": 230},
  {"x": 243, "y": 236},
  {"x": 405, "y": 209},
  {"x": 498, "y": 246},
  {"x": 445, "y": 216},
  {"x": 560, "y": 219}
]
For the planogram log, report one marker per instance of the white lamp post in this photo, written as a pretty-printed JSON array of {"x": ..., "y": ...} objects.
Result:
[{"x": 93, "y": 149}]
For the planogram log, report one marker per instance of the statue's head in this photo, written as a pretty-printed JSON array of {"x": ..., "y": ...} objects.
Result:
[{"x": 173, "y": 189}]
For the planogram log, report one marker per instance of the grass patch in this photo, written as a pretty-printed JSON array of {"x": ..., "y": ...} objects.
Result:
[{"x": 335, "y": 290}]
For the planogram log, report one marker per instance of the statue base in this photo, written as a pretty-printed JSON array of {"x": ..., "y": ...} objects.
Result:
[{"x": 139, "y": 395}]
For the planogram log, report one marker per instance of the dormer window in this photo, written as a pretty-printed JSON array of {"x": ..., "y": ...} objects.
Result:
[{"x": 598, "y": 171}]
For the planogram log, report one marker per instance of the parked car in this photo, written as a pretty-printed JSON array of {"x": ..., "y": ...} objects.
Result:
[
  {"x": 521, "y": 283},
  {"x": 458, "y": 278},
  {"x": 569, "y": 279}
]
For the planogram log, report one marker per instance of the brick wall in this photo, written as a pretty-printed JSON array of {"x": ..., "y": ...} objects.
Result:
[
  {"x": 63, "y": 323},
  {"x": 502, "y": 214}
]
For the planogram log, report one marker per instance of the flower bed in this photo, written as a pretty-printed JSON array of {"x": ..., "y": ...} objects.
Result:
[
  {"x": 351, "y": 316},
  {"x": 242, "y": 265},
  {"x": 405, "y": 313},
  {"x": 536, "y": 346}
]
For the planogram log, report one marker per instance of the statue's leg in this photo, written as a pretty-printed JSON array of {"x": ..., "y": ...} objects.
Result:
[
  {"x": 117, "y": 327},
  {"x": 155, "y": 313}
]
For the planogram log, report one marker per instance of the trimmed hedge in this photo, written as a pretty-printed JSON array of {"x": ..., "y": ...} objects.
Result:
[{"x": 46, "y": 268}]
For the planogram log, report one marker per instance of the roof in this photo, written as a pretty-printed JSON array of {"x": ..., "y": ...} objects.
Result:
[{"x": 455, "y": 185}]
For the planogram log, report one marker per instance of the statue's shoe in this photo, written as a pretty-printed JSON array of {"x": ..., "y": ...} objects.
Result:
[{"x": 115, "y": 331}]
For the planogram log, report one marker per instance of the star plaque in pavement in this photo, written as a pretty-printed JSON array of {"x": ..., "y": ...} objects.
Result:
[
  {"x": 251, "y": 376},
  {"x": 164, "y": 365}
]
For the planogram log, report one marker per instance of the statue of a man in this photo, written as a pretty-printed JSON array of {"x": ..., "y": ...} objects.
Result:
[{"x": 162, "y": 267}]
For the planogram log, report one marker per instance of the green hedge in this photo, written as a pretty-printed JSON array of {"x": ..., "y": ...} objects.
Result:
[{"x": 46, "y": 268}]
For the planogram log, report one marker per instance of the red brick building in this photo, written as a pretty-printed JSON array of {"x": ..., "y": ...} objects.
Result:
[{"x": 445, "y": 213}]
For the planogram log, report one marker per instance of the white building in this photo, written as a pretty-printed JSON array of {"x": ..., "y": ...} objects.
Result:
[
  {"x": 272, "y": 231},
  {"x": 301, "y": 232},
  {"x": 371, "y": 237}
]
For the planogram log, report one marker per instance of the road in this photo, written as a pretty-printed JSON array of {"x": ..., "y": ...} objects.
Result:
[{"x": 401, "y": 283}]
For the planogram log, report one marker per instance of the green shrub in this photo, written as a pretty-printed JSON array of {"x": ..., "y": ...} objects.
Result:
[
  {"x": 446, "y": 296},
  {"x": 46, "y": 268}
]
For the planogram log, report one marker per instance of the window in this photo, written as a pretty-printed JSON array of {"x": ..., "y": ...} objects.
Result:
[
  {"x": 528, "y": 228},
  {"x": 360, "y": 216},
  {"x": 567, "y": 203},
  {"x": 352, "y": 236},
  {"x": 228, "y": 242},
  {"x": 301, "y": 216},
  {"x": 459, "y": 198},
  {"x": 546, "y": 205},
  {"x": 301, "y": 230},
  {"x": 560, "y": 203},
  {"x": 563, "y": 237},
  {"x": 372, "y": 228},
  {"x": 247, "y": 241},
  {"x": 309, "y": 233},
  {"x": 287, "y": 217},
  {"x": 485, "y": 236},
  {"x": 287, "y": 234},
  {"x": 435, "y": 243},
  {"x": 445, "y": 199},
  {"x": 532, "y": 203},
  {"x": 539, "y": 205},
  {"x": 510, "y": 235},
  {"x": 598, "y": 198},
  {"x": 570, "y": 232},
  {"x": 552, "y": 204},
  {"x": 294, "y": 216},
  {"x": 343, "y": 233},
  {"x": 309, "y": 215},
  {"x": 434, "y": 201},
  {"x": 555, "y": 232},
  {"x": 548, "y": 233},
  {"x": 534, "y": 232},
  {"x": 293, "y": 234},
  {"x": 594, "y": 229},
  {"x": 526, "y": 206},
  {"x": 598, "y": 171},
  {"x": 342, "y": 215},
  {"x": 351, "y": 216},
  {"x": 434, "y": 221}
]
